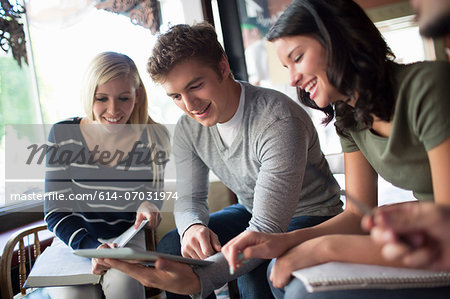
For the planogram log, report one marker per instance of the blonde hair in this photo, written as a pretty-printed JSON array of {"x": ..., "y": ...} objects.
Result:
[{"x": 108, "y": 66}]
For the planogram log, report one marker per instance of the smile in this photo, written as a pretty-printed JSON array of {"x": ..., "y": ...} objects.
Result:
[
  {"x": 203, "y": 111},
  {"x": 310, "y": 85},
  {"x": 112, "y": 120}
]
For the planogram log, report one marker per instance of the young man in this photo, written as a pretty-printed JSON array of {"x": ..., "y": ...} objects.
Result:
[
  {"x": 259, "y": 143},
  {"x": 433, "y": 17}
]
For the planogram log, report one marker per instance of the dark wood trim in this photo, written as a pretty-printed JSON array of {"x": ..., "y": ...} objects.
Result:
[
  {"x": 232, "y": 38},
  {"x": 20, "y": 215},
  {"x": 207, "y": 11}
]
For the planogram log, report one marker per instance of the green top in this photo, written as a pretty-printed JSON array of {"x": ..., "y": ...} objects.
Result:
[{"x": 420, "y": 123}]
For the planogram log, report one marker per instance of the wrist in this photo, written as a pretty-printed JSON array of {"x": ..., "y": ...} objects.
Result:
[
  {"x": 296, "y": 237},
  {"x": 326, "y": 249},
  {"x": 191, "y": 226}
]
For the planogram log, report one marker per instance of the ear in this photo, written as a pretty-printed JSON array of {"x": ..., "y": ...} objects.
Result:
[
  {"x": 224, "y": 67},
  {"x": 139, "y": 92}
]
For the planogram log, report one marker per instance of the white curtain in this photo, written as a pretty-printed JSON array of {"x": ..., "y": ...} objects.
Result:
[
  {"x": 64, "y": 13},
  {"x": 57, "y": 13}
]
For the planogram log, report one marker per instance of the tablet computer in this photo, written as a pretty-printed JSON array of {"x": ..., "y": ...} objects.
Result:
[{"x": 137, "y": 254}]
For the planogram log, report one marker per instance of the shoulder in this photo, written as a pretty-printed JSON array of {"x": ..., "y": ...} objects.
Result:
[
  {"x": 423, "y": 100},
  {"x": 65, "y": 128},
  {"x": 188, "y": 125},
  {"x": 422, "y": 74},
  {"x": 160, "y": 134},
  {"x": 160, "y": 131},
  {"x": 422, "y": 82},
  {"x": 70, "y": 121},
  {"x": 266, "y": 106}
]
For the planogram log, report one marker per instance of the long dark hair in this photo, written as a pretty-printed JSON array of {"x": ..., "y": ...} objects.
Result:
[{"x": 359, "y": 60}]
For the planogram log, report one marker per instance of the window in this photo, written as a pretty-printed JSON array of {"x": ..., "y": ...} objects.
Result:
[
  {"x": 18, "y": 101},
  {"x": 403, "y": 37},
  {"x": 64, "y": 36}
]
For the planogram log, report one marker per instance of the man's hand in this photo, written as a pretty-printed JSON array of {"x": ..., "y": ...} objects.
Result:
[
  {"x": 98, "y": 267},
  {"x": 167, "y": 275},
  {"x": 149, "y": 211},
  {"x": 199, "y": 242}
]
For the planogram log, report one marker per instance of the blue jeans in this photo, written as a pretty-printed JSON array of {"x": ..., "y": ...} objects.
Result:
[
  {"x": 227, "y": 224},
  {"x": 296, "y": 289}
]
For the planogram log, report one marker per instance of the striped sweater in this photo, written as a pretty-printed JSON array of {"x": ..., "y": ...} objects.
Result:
[{"x": 86, "y": 200}]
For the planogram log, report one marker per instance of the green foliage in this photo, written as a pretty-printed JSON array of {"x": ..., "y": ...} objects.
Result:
[{"x": 17, "y": 105}]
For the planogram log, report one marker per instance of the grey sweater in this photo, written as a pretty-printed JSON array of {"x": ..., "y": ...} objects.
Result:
[{"x": 274, "y": 166}]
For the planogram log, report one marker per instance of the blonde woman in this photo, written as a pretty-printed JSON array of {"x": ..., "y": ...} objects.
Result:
[{"x": 104, "y": 166}]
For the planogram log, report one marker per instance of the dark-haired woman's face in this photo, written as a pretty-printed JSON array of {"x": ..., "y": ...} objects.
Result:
[{"x": 306, "y": 61}]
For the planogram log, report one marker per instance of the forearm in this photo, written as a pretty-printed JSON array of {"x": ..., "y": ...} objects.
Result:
[
  {"x": 360, "y": 182},
  {"x": 192, "y": 185},
  {"x": 344, "y": 223},
  {"x": 363, "y": 250},
  {"x": 70, "y": 229}
]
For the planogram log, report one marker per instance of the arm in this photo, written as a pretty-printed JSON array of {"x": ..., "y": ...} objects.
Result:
[
  {"x": 424, "y": 225},
  {"x": 158, "y": 137},
  {"x": 281, "y": 147},
  {"x": 361, "y": 184},
  {"x": 430, "y": 249},
  {"x": 149, "y": 211},
  {"x": 59, "y": 216},
  {"x": 167, "y": 275},
  {"x": 191, "y": 209},
  {"x": 440, "y": 172},
  {"x": 340, "y": 248}
]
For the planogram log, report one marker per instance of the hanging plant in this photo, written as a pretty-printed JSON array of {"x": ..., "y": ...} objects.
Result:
[
  {"x": 12, "y": 35},
  {"x": 146, "y": 13}
]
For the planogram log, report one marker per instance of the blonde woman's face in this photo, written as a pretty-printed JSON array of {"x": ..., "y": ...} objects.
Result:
[
  {"x": 114, "y": 101},
  {"x": 306, "y": 60}
]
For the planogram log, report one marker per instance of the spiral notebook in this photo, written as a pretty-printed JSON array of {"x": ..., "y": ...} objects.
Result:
[{"x": 346, "y": 276}]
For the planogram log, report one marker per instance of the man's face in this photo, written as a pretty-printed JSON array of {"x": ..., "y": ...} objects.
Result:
[
  {"x": 433, "y": 16},
  {"x": 200, "y": 92}
]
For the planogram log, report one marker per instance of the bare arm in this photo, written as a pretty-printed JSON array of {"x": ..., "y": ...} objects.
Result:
[
  {"x": 361, "y": 184},
  {"x": 339, "y": 248},
  {"x": 167, "y": 275},
  {"x": 424, "y": 226},
  {"x": 440, "y": 172}
]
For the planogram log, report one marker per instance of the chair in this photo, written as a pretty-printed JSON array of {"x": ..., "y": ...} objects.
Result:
[{"x": 34, "y": 250}]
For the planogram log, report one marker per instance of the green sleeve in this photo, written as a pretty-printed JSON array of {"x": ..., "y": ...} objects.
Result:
[{"x": 429, "y": 112}]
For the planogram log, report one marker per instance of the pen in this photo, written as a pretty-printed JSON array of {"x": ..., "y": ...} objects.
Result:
[
  {"x": 362, "y": 208},
  {"x": 365, "y": 210}
]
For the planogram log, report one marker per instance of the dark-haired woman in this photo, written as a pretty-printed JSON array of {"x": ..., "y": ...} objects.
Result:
[{"x": 392, "y": 120}]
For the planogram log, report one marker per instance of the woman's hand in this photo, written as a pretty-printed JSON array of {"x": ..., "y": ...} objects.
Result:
[
  {"x": 149, "y": 211},
  {"x": 307, "y": 254},
  {"x": 98, "y": 267},
  {"x": 414, "y": 233},
  {"x": 250, "y": 244}
]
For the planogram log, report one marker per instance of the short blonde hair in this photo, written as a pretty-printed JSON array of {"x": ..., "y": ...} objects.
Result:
[{"x": 108, "y": 66}]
